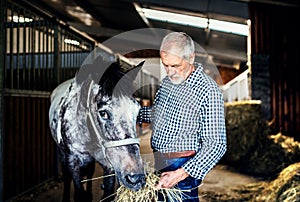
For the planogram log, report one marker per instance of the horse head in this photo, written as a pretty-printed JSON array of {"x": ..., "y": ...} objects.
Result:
[{"x": 112, "y": 110}]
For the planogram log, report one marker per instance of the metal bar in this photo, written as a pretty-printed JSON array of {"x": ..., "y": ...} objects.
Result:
[
  {"x": 76, "y": 59},
  {"x": 17, "y": 76},
  {"x": 29, "y": 52},
  {"x": 33, "y": 62},
  {"x": 11, "y": 49},
  {"x": 38, "y": 55},
  {"x": 62, "y": 46},
  {"x": 57, "y": 47},
  {"x": 47, "y": 36},
  {"x": 25, "y": 93},
  {"x": 24, "y": 54},
  {"x": 65, "y": 54},
  {"x": 51, "y": 51},
  {"x": 71, "y": 54}
]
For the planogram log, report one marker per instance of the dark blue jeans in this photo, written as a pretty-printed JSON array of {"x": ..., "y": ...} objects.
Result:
[{"x": 189, "y": 186}]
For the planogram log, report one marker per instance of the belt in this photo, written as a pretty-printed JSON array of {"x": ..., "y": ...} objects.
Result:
[{"x": 180, "y": 154}]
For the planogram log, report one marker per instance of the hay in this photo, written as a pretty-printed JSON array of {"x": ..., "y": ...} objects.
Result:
[
  {"x": 287, "y": 143},
  {"x": 251, "y": 149},
  {"x": 278, "y": 152},
  {"x": 245, "y": 129},
  {"x": 149, "y": 192},
  {"x": 285, "y": 188}
]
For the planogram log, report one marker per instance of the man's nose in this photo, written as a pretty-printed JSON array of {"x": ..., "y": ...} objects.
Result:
[{"x": 170, "y": 70}]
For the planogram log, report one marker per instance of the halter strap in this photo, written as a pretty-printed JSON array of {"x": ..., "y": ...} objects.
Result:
[
  {"x": 117, "y": 143},
  {"x": 113, "y": 143}
]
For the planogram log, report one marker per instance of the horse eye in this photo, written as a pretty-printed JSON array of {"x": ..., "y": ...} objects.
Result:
[{"x": 103, "y": 114}]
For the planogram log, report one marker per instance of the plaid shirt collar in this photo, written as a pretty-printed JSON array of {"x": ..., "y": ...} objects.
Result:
[{"x": 195, "y": 74}]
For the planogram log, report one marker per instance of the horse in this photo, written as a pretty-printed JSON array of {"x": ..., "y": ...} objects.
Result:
[{"x": 92, "y": 118}]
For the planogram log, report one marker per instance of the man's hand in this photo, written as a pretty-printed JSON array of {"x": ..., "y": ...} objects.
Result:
[{"x": 171, "y": 178}]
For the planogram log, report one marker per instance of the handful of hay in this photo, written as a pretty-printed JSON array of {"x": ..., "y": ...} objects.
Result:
[{"x": 149, "y": 193}]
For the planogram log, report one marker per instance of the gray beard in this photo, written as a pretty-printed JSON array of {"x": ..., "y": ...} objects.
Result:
[{"x": 178, "y": 81}]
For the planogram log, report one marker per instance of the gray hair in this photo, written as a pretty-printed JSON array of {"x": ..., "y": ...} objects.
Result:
[{"x": 178, "y": 43}]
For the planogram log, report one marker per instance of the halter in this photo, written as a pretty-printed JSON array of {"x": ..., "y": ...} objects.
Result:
[{"x": 112, "y": 143}]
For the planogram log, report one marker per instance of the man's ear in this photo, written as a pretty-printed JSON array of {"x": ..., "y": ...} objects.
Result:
[{"x": 192, "y": 58}]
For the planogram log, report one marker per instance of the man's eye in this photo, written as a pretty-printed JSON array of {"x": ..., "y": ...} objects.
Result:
[{"x": 103, "y": 114}]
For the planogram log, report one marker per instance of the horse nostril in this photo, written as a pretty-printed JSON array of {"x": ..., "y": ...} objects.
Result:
[{"x": 135, "y": 178}]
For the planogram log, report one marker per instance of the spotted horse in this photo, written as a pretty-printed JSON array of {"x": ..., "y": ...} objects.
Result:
[{"x": 92, "y": 118}]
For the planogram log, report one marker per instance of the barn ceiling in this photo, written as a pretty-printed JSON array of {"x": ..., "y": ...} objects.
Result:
[{"x": 102, "y": 19}]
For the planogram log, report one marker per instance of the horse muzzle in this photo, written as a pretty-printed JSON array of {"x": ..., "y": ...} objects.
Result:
[{"x": 134, "y": 181}]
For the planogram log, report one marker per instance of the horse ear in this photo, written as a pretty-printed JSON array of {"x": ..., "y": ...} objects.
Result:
[
  {"x": 140, "y": 65},
  {"x": 135, "y": 70}
]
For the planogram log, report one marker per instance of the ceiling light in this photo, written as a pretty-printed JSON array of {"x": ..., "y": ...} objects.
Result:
[
  {"x": 228, "y": 27},
  {"x": 198, "y": 22},
  {"x": 71, "y": 41},
  {"x": 175, "y": 18},
  {"x": 20, "y": 19}
]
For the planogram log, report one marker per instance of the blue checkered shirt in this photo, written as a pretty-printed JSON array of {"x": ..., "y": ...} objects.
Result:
[{"x": 190, "y": 116}]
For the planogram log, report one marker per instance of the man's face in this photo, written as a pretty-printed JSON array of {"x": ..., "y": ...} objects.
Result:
[{"x": 177, "y": 68}]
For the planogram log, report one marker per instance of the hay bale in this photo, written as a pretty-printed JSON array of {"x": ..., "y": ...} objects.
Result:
[
  {"x": 245, "y": 129},
  {"x": 251, "y": 148}
]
